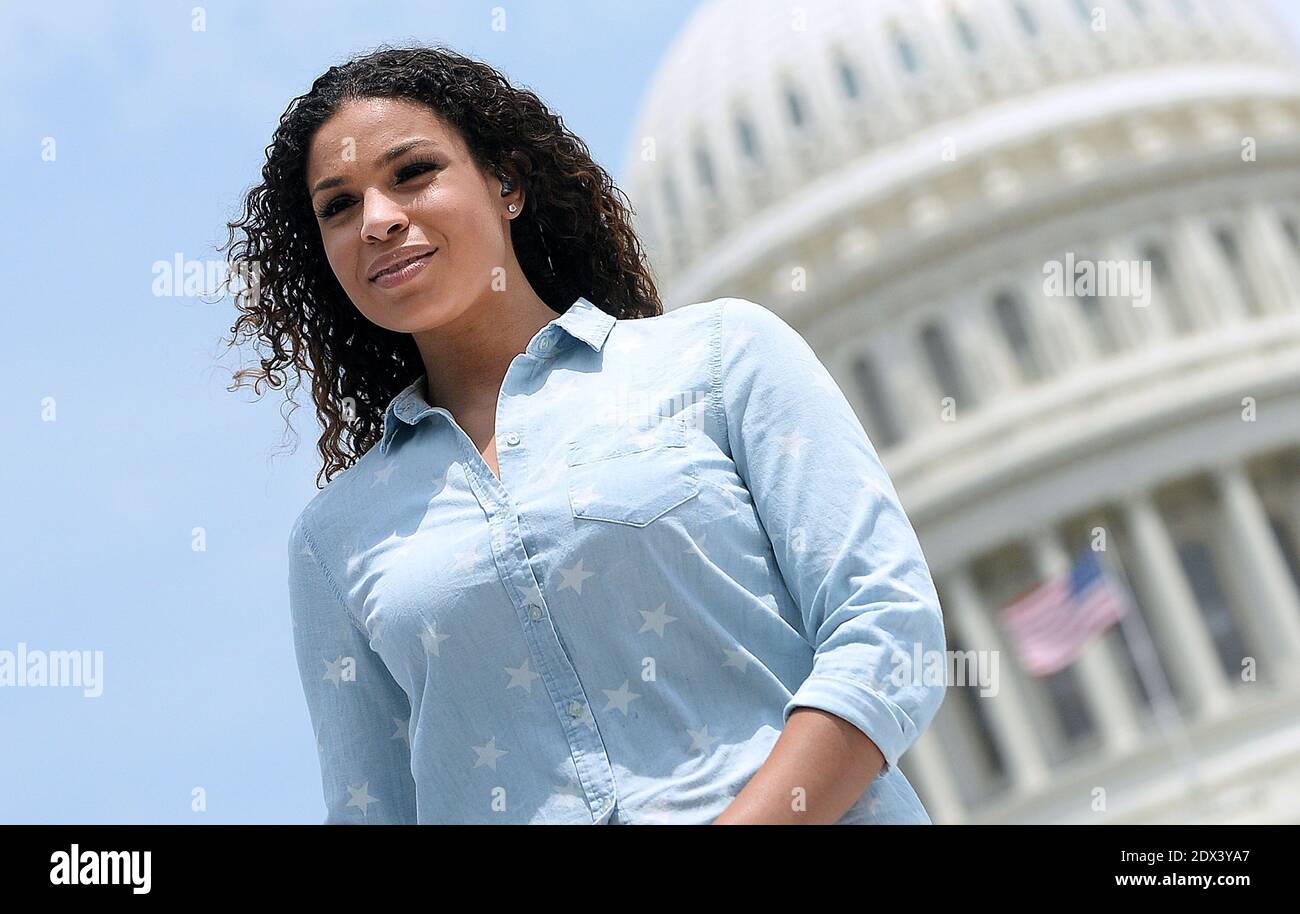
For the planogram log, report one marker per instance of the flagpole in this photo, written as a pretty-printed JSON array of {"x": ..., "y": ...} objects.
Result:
[{"x": 1165, "y": 706}]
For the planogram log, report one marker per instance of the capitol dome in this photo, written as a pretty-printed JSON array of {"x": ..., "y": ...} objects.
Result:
[
  {"x": 898, "y": 179},
  {"x": 765, "y": 115}
]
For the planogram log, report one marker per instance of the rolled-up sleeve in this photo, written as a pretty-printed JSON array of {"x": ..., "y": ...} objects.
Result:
[
  {"x": 846, "y": 549},
  {"x": 359, "y": 713}
]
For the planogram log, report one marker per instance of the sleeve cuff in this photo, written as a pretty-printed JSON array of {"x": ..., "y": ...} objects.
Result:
[{"x": 882, "y": 721}]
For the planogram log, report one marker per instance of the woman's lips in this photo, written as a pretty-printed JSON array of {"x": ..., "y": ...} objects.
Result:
[{"x": 398, "y": 276}]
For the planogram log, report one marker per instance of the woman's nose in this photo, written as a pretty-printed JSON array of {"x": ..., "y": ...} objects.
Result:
[{"x": 381, "y": 217}]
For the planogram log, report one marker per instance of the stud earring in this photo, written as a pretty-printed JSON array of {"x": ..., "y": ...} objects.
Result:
[{"x": 512, "y": 207}]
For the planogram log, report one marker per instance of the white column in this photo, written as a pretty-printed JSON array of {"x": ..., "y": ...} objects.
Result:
[
  {"x": 929, "y": 765},
  {"x": 1174, "y": 611},
  {"x": 1013, "y": 728},
  {"x": 1000, "y": 360},
  {"x": 1262, "y": 568},
  {"x": 1270, "y": 259},
  {"x": 1210, "y": 291},
  {"x": 1065, "y": 318},
  {"x": 1102, "y": 677},
  {"x": 914, "y": 383},
  {"x": 1060, "y": 346},
  {"x": 1149, "y": 323},
  {"x": 972, "y": 336}
]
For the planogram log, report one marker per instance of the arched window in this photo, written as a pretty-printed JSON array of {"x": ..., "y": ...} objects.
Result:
[
  {"x": 748, "y": 138},
  {"x": 906, "y": 53},
  {"x": 704, "y": 168},
  {"x": 880, "y": 414},
  {"x": 848, "y": 77},
  {"x": 671, "y": 200},
  {"x": 966, "y": 33},
  {"x": 1289, "y": 226},
  {"x": 794, "y": 105},
  {"x": 1237, "y": 267},
  {"x": 1026, "y": 18},
  {"x": 1011, "y": 318},
  {"x": 944, "y": 366},
  {"x": 1102, "y": 334},
  {"x": 1163, "y": 280}
]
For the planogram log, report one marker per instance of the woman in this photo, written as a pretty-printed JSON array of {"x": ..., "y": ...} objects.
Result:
[{"x": 576, "y": 560}]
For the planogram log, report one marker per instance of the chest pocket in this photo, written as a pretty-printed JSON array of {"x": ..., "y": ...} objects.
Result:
[{"x": 631, "y": 473}]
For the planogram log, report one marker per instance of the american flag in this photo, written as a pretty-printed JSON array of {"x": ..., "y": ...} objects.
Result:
[{"x": 1050, "y": 625}]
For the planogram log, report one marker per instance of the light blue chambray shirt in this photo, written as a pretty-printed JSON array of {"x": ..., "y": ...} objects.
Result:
[{"x": 691, "y": 536}]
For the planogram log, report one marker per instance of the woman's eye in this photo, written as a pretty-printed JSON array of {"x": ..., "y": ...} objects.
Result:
[
  {"x": 415, "y": 168},
  {"x": 332, "y": 207},
  {"x": 404, "y": 174}
]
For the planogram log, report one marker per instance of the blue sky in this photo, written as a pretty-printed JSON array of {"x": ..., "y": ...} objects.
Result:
[{"x": 158, "y": 130}]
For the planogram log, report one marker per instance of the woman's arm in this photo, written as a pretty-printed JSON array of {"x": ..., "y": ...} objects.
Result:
[
  {"x": 359, "y": 714},
  {"x": 850, "y": 560},
  {"x": 820, "y": 766}
]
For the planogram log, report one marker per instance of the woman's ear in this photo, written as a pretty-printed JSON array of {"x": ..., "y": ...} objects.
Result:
[{"x": 512, "y": 192}]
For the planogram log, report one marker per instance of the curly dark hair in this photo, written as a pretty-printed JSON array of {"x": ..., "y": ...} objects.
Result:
[{"x": 573, "y": 238}]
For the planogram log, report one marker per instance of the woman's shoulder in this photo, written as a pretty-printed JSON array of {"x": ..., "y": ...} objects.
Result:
[
  {"x": 714, "y": 314},
  {"x": 321, "y": 512}
]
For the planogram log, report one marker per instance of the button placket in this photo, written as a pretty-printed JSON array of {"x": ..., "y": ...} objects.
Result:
[{"x": 560, "y": 678}]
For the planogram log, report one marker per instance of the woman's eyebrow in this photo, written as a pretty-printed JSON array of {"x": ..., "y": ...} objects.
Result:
[{"x": 384, "y": 158}]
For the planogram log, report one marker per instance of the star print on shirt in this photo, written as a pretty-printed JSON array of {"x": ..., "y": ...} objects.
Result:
[
  {"x": 701, "y": 740},
  {"x": 741, "y": 336},
  {"x": 792, "y": 444},
  {"x": 382, "y": 475},
  {"x": 431, "y": 639},
  {"x": 822, "y": 379},
  {"x": 737, "y": 658},
  {"x": 333, "y": 671},
  {"x": 488, "y": 753},
  {"x": 531, "y": 593},
  {"x": 403, "y": 730},
  {"x": 656, "y": 620},
  {"x": 555, "y": 468},
  {"x": 574, "y": 577},
  {"x": 522, "y": 676},
  {"x": 361, "y": 798},
  {"x": 584, "y": 496},
  {"x": 620, "y": 698},
  {"x": 696, "y": 546}
]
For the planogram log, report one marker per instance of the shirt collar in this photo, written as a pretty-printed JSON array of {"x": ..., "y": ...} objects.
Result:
[{"x": 582, "y": 321}]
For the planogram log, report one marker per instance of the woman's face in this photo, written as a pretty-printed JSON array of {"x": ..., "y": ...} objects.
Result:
[{"x": 429, "y": 197}]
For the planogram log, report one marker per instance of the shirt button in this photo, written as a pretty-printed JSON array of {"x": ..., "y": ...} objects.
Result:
[
  {"x": 534, "y": 612},
  {"x": 544, "y": 345},
  {"x": 512, "y": 439}
]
